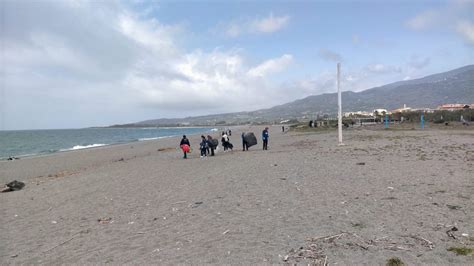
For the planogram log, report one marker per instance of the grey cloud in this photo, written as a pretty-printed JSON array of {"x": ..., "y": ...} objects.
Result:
[
  {"x": 453, "y": 16},
  {"x": 329, "y": 55},
  {"x": 42, "y": 32},
  {"x": 355, "y": 39},
  {"x": 423, "y": 20},
  {"x": 258, "y": 25},
  {"x": 418, "y": 62},
  {"x": 466, "y": 29},
  {"x": 71, "y": 62},
  {"x": 382, "y": 69}
]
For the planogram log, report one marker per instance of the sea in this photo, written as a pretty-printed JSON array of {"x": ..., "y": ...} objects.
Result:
[{"x": 22, "y": 143}]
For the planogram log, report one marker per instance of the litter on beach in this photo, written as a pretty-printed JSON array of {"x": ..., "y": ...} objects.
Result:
[
  {"x": 105, "y": 220},
  {"x": 13, "y": 186}
]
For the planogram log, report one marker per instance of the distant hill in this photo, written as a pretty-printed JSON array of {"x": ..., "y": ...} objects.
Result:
[{"x": 455, "y": 86}]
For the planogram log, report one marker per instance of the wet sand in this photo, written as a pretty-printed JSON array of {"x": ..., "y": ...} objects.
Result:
[{"x": 384, "y": 194}]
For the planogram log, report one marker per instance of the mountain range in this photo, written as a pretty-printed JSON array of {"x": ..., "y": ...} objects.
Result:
[{"x": 455, "y": 86}]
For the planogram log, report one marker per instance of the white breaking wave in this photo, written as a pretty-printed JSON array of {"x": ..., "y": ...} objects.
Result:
[
  {"x": 143, "y": 139},
  {"x": 214, "y": 129},
  {"x": 162, "y": 137},
  {"x": 80, "y": 147}
]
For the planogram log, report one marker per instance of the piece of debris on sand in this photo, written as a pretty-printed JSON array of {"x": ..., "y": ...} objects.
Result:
[
  {"x": 105, "y": 220},
  {"x": 13, "y": 186}
]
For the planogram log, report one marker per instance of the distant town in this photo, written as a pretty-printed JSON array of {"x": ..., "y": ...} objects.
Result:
[
  {"x": 444, "y": 113},
  {"x": 406, "y": 109}
]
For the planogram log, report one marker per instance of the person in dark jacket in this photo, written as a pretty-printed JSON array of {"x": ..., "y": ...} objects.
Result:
[
  {"x": 245, "y": 147},
  {"x": 210, "y": 145},
  {"x": 203, "y": 146},
  {"x": 265, "y": 138},
  {"x": 185, "y": 141}
]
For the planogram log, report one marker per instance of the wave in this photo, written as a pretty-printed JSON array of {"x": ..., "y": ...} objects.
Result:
[
  {"x": 214, "y": 130},
  {"x": 80, "y": 147},
  {"x": 162, "y": 137},
  {"x": 143, "y": 139}
]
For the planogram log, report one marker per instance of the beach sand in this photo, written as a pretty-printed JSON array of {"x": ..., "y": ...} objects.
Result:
[{"x": 386, "y": 193}]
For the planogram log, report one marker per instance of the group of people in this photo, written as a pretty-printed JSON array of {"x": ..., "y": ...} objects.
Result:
[{"x": 208, "y": 145}]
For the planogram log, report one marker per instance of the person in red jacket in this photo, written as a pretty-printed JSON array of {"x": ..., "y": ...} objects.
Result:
[{"x": 185, "y": 146}]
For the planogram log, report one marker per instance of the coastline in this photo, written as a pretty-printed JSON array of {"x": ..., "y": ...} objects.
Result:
[
  {"x": 77, "y": 147},
  {"x": 57, "y": 163},
  {"x": 246, "y": 207}
]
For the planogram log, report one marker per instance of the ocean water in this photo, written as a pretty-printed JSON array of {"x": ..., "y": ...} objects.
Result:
[{"x": 34, "y": 142}]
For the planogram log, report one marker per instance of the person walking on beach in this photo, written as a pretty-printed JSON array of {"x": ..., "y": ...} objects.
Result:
[
  {"x": 203, "y": 146},
  {"x": 245, "y": 147},
  {"x": 225, "y": 141},
  {"x": 185, "y": 146},
  {"x": 265, "y": 138},
  {"x": 210, "y": 145}
]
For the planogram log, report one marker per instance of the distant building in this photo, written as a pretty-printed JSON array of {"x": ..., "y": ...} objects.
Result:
[
  {"x": 357, "y": 114},
  {"x": 423, "y": 109},
  {"x": 403, "y": 109},
  {"x": 453, "y": 106}
]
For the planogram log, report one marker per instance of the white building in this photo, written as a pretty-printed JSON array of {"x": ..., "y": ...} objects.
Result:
[
  {"x": 403, "y": 109},
  {"x": 358, "y": 113}
]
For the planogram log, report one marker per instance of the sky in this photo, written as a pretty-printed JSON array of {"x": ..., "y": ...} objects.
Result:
[{"x": 74, "y": 64}]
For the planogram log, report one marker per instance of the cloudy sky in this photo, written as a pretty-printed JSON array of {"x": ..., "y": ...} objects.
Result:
[{"x": 70, "y": 64}]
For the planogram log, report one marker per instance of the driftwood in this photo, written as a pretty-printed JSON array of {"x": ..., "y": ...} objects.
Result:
[
  {"x": 64, "y": 242},
  {"x": 315, "y": 250},
  {"x": 326, "y": 237},
  {"x": 428, "y": 243},
  {"x": 450, "y": 232}
]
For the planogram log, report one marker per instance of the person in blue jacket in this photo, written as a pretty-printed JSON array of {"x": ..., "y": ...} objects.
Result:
[{"x": 265, "y": 138}]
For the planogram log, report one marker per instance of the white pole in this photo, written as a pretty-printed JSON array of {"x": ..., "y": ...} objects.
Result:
[{"x": 339, "y": 103}]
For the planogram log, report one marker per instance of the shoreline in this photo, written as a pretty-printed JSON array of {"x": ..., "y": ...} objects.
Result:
[
  {"x": 102, "y": 146},
  {"x": 66, "y": 161},
  {"x": 26, "y": 156}
]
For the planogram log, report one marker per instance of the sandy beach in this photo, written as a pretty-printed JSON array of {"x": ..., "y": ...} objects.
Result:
[{"x": 386, "y": 193}]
